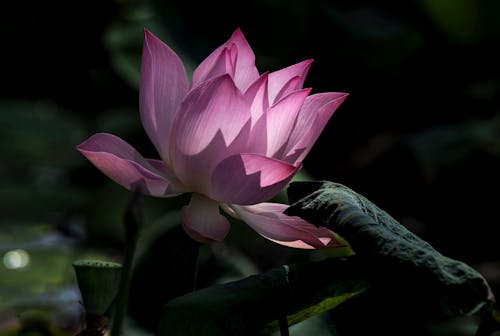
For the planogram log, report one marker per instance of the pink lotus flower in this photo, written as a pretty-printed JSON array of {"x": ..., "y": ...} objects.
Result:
[{"x": 232, "y": 138}]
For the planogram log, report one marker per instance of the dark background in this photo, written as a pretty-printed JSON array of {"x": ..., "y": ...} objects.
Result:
[{"x": 419, "y": 134}]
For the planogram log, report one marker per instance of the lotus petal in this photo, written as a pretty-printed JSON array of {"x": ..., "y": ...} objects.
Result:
[
  {"x": 281, "y": 119},
  {"x": 249, "y": 179},
  {"x": 244, "y": 62},
  {"x": 278, "y": 79},
  {"x": 202, "y": 220},
  {"x": 124, "y": 165},
  {"x": 163, "y": 86},
  {"x": 256, "y": 95},
  {"x": 269, "y": 221},
  {"x": 311, "y": 121},
  {"x": 216, "y": 105},
  {"x": 213, "y": 123}
]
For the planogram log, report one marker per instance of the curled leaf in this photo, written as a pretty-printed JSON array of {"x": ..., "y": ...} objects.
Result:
[{"x": 375, "y": 235}]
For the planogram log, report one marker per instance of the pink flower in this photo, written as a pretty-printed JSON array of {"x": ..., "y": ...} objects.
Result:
[{"x": 232, "y": 138}]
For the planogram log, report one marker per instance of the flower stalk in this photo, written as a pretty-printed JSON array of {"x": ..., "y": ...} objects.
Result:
[
  {"x": 132, "y": 222},
  {"x": 283, "y": 323}
]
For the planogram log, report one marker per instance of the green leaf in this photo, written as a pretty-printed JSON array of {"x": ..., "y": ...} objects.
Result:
[
  {"x": 377, "y": 237},
  {"x": 254, "y": 303}
]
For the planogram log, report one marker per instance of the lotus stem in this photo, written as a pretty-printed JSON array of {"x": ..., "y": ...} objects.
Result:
[
  {"x": 283, "y": 323},
  {"x": 132, "y": 222}
]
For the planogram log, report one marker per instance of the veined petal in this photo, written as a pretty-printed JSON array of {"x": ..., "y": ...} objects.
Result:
[
  {"x": 289, "y": 86},
  {"x": 281, "y": 119},
  {"x": 202, "y": 220},
  {"x": 311, "y": 121},
  {"x": 269, "y": 221},
  {"x": 244, "y": 62},
  {"x": 246, "y": 72},
  {"x": 256, "y": 95},
  {"x": 249, "y": 179},
  {"x": 124, "y": 165},
  {"x": 163, "y": 86},
  {"x": 196, "y": 170},
  {"x": 224, "y": 63},
  {"x": 278, "y": 79},
  {"x": 213, "y": 123},
  {"x": 257, "y": 142},
  {"x": 216, "y": 105},
  {"x": 164, "y": 170}
]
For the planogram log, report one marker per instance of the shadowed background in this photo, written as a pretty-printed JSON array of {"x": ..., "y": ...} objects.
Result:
[{"x": 419, "y": 134}]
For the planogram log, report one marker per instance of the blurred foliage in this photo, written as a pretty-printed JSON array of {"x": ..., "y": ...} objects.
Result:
[{"x": 418, "y": 135}]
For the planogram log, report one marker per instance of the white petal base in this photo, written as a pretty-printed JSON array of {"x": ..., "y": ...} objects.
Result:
[{"x": 202, "y": 220}]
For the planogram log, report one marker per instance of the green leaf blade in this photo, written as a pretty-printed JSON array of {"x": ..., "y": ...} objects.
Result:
[{"x": 376, "y": 236}]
